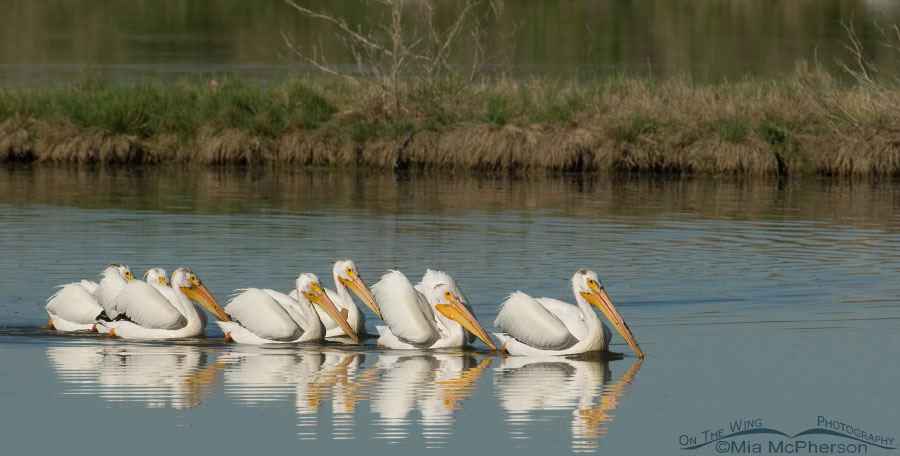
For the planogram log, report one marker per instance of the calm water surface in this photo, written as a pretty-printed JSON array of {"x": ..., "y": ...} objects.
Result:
[
  {"x": 712, "y": 40},
  {"x": 754, "y": 300}
]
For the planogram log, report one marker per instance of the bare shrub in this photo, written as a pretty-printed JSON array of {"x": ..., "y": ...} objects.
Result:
[
  {"x": 411, "y": 54},
  {"x": 879, "y": 90}
]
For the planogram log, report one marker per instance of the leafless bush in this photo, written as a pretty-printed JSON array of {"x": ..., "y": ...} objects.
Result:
[
  {"x": 861, "y": 67},
  {"x": 876, "y": 91},
  {"x": 409, "y": 52}
]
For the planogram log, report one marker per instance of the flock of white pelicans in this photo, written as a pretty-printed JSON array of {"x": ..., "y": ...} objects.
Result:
[{"x": 431, "y": 314}]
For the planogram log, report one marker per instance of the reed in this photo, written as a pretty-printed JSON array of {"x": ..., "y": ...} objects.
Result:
[{"x": 806, "y": 123}]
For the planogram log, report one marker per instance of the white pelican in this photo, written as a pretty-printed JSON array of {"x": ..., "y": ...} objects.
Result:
[
  {"x": 547, "y": 326},
  {"x": 148, "y": 314},
  {"x": 155, "y": 276},
  {"x": 73, "y": 307},
  {"x": 269, "y": 317},
  {"x": 429, "y": 315},
  {"x": 346, "y": 276},
  {"x": 158, "y": 278},
  {"x": 115, "y": 278}
]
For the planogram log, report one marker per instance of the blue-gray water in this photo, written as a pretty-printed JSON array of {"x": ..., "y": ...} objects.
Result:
[
  {"x": 775, "y": 301},
  {"x": 49, "y": 42}
]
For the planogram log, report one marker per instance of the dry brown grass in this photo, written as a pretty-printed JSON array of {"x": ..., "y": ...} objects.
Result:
[
  {"x": 69, "y": 145},
  {"x": 805, "y": 124},
  {"x": 16, "y": 143}
]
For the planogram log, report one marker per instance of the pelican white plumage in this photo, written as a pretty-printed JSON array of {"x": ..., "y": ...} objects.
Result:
[
  {"x": 113, "y": 285},
  {"x": 346, "y": 279},
  {"x": 73, "y": 307},
  {"x": 432, "y": 279},
  {"x": 264, "y": 316},
  {"x": 429, "y": 315},
  {"x": 546, "y": 326},
  {"x": 148, "y": 314},
  {"x": 114, "y": 279},
  {"x": 158, "y": 278}
]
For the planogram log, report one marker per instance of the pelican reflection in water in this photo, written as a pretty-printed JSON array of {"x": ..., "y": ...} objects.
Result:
[
  {"x": 433, "y": 384},
  {"x": 255, "y": 376},
  {"x": 423, "y": 388},
  {"x": 525, "y": 385},
  {"x": 177, "y": 376}
]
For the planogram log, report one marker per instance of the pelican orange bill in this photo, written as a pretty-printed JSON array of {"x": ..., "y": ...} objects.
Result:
[
  {"x": 200, "y": 294},
  {"x": 458, "y": 313},
  {"x": 359, "y": 287},
  {"x": 328, "y": 306},
  {"x": 601, "y": 300}
]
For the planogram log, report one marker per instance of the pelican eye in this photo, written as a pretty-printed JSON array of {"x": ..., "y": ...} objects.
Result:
[
  {"x": 195, "y": 280},
  {"x": 350, "y": 272},
  {"x": 314, "y": 286},
  {"x": 448, "y": 295},
  {"x": 128, "y": 275},
  {"x": 162, "y": 280}
]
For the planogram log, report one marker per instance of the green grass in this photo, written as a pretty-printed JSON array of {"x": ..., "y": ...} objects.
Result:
[
  {"x": 497, "y": 109},
  {"x": 632, "y": 128},
  {"x": 313, "y": 107},
  {"x": 149, "y": 109},
  {"x": 732, "y": 130},
  {"x": 785, "y": 147},
  {"x": 366, "y": 131},
  {"x": 808, "y": 123}
]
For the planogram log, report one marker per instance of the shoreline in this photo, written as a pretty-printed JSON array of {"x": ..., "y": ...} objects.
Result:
[{"x": 804, "y": 124}]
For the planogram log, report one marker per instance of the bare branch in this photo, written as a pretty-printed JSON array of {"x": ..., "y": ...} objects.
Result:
[
  {"x": 855, "y": 47},
  {"x": 340, "y": 23},
  {"x": 315, "y": 61},
  {"x": 450, "y": 36},
  {"x": 402, "y": 56}
]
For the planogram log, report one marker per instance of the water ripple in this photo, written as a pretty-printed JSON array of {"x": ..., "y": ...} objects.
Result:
[{"x": 408, "y": 393}]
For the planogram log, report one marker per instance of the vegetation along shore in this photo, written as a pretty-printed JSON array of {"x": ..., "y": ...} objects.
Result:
[{"x": 807, "y": 123}]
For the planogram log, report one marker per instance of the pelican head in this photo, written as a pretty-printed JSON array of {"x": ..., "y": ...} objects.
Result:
[
  {"x": 448, "y": 303},
  {"x": 117, "y": 269},
  {"x": 308, "y": 286},
  {"x": 157, "y": 275},
  {"x": 586, "y": 284},
  {"x": 345, "y": 272},
  {"x": 186, "y": 280}
]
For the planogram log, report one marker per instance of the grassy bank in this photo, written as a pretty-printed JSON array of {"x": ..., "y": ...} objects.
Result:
[{"x": 806, "y": 123}]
